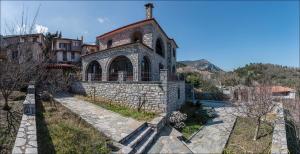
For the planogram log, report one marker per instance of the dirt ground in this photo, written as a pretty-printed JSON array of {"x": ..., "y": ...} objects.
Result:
[{"x": 10, "y": 121}]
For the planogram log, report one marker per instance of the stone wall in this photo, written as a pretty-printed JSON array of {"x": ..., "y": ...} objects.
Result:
[
  {"x": 156, "y": 96},
  {"x": 279, "y": 140},
  {"x": 176, "y": 93},
  {"x": 129, "y": 93},
  {"x": 26, "y": 140}
]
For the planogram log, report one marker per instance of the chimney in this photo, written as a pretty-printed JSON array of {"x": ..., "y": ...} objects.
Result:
[
  {"x": 81, "y": 38},
  {"x": 149, "y": 7}
]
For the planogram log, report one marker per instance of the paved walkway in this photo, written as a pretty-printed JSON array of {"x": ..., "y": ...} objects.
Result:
[
  {"x": 213, "y": 137},
  {"x": 168, "y": 142},
  {"x": 110, "y": 123}
]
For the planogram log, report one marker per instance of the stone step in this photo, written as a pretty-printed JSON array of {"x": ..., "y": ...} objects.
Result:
[
  {"x": 140, "y": 137},
  {"x": 132, "y": 136},
  {"x": 145, "y": 143}
]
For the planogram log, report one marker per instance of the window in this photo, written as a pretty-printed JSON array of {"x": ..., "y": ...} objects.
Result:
[
  {"x": 14, "y": 55},
  {"x": 76, "y": 43},
  {"x": 137, "y": 37},
  {"x": 109, "y": 43},
  {"x": 174, "y": 52},
  {"x": 65, "y": 56},
  {"x": 178, "y": 93},
  {"x": 159, "y": 47},
  {"x": 34, "y": 39},
  {"x": 73, "y": 55},
  {"x": 61, "y": 45}
]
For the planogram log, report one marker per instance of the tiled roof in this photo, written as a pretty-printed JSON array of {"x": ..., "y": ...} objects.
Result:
[{"x": 279, "y": 89}]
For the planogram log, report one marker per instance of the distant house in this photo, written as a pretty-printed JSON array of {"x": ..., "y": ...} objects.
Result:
[
  {"x": 22, "y": 48},
  {"x": 67, "y": 50},
  {"x": 283, "y": 92}
]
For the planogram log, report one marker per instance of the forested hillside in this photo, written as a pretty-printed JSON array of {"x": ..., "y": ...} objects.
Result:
[{"x": 278, "y": 74}]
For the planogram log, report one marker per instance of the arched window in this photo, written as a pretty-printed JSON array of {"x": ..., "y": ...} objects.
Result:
[
  {"x": 145, "y": 69},
  {"x": 159, "y": 47},
  {"x": 137, "y": 37},
  {"x": 121, "y": 63},
  {"x": 94, "y": 71},
  {"x": 109, "y": 43}
]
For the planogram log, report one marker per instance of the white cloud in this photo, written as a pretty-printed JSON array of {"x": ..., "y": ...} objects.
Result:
[
  {"x": 102, "y": 20},
  {"x": 41, "y": 29}
]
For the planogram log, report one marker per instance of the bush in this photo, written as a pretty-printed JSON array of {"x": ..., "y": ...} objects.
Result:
[
  {"x": 19, "y": 98},
  {"x": 176, "y": 119}
]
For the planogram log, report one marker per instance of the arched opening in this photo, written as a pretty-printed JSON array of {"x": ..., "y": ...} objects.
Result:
[
  {"x": 109, "y": 44},
  {"x": 159, "y": 47},
  {"x": 94, "y": 71},
  {"x": 145, "y": 69},
  {"x": 137, "y": 37},
  {"x": 121, "y": 63},
  {"x": 160, "y": 66}
]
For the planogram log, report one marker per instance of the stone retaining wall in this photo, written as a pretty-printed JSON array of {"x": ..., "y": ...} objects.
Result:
[
  {"x": 156, "y": 96},
  {"x": 26, "y": 140},
  {"x": 279, "y": 141}
]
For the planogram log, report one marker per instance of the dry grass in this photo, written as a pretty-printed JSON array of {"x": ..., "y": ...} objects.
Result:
[
  {"x": 10, "y": 121},
  {"x": 122, "y": 110},
  {"x": 241, "y": 139},
  {"x": 60, "y": 131}
]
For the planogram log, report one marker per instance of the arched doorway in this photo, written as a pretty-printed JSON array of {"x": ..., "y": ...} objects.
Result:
[
  {"x": 145, "y": 69},
  {"x": 121, "y": 63},
  {"x": 94, "y": 71}
]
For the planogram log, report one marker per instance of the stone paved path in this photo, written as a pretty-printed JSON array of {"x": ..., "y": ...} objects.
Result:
[
  {"x": 110, "y": 123},
  {"x": 168, "y": 142},
  {"x": 213, "y": 137}
]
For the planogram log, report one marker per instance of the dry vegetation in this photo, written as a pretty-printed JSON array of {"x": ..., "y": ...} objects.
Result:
[
  {"x": 10, "y": 121},
  {"x": 60, "y": 131},
  {"x": 241, "y": 138}
]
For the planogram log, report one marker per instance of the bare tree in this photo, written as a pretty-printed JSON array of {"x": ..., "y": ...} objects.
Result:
[{"x": 256, "y": 103}]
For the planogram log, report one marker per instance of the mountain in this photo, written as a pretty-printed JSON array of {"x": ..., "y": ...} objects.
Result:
[{"x": 201, "y": 65}]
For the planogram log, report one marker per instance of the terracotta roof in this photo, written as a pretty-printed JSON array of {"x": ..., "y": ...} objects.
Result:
[
  {"x": 139, "y": 23},
  {"x": 280, "y": 89}
]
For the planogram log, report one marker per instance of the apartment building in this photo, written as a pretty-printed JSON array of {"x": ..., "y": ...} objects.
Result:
[{"x": 67, "y": 50}]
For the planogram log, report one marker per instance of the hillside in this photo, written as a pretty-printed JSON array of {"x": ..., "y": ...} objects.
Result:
[
  {"x": 279, "y": 75},
  {"x": 200, "y": 65}
]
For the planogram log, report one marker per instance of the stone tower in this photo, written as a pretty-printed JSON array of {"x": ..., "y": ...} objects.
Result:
[{"x": 149, "y": 7}]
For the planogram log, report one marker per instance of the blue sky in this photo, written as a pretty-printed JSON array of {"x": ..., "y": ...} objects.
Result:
[{"x": 230, "y": 34}]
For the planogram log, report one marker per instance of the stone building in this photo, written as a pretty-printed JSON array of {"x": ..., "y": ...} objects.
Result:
[{"x": 135, "y": 63}]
